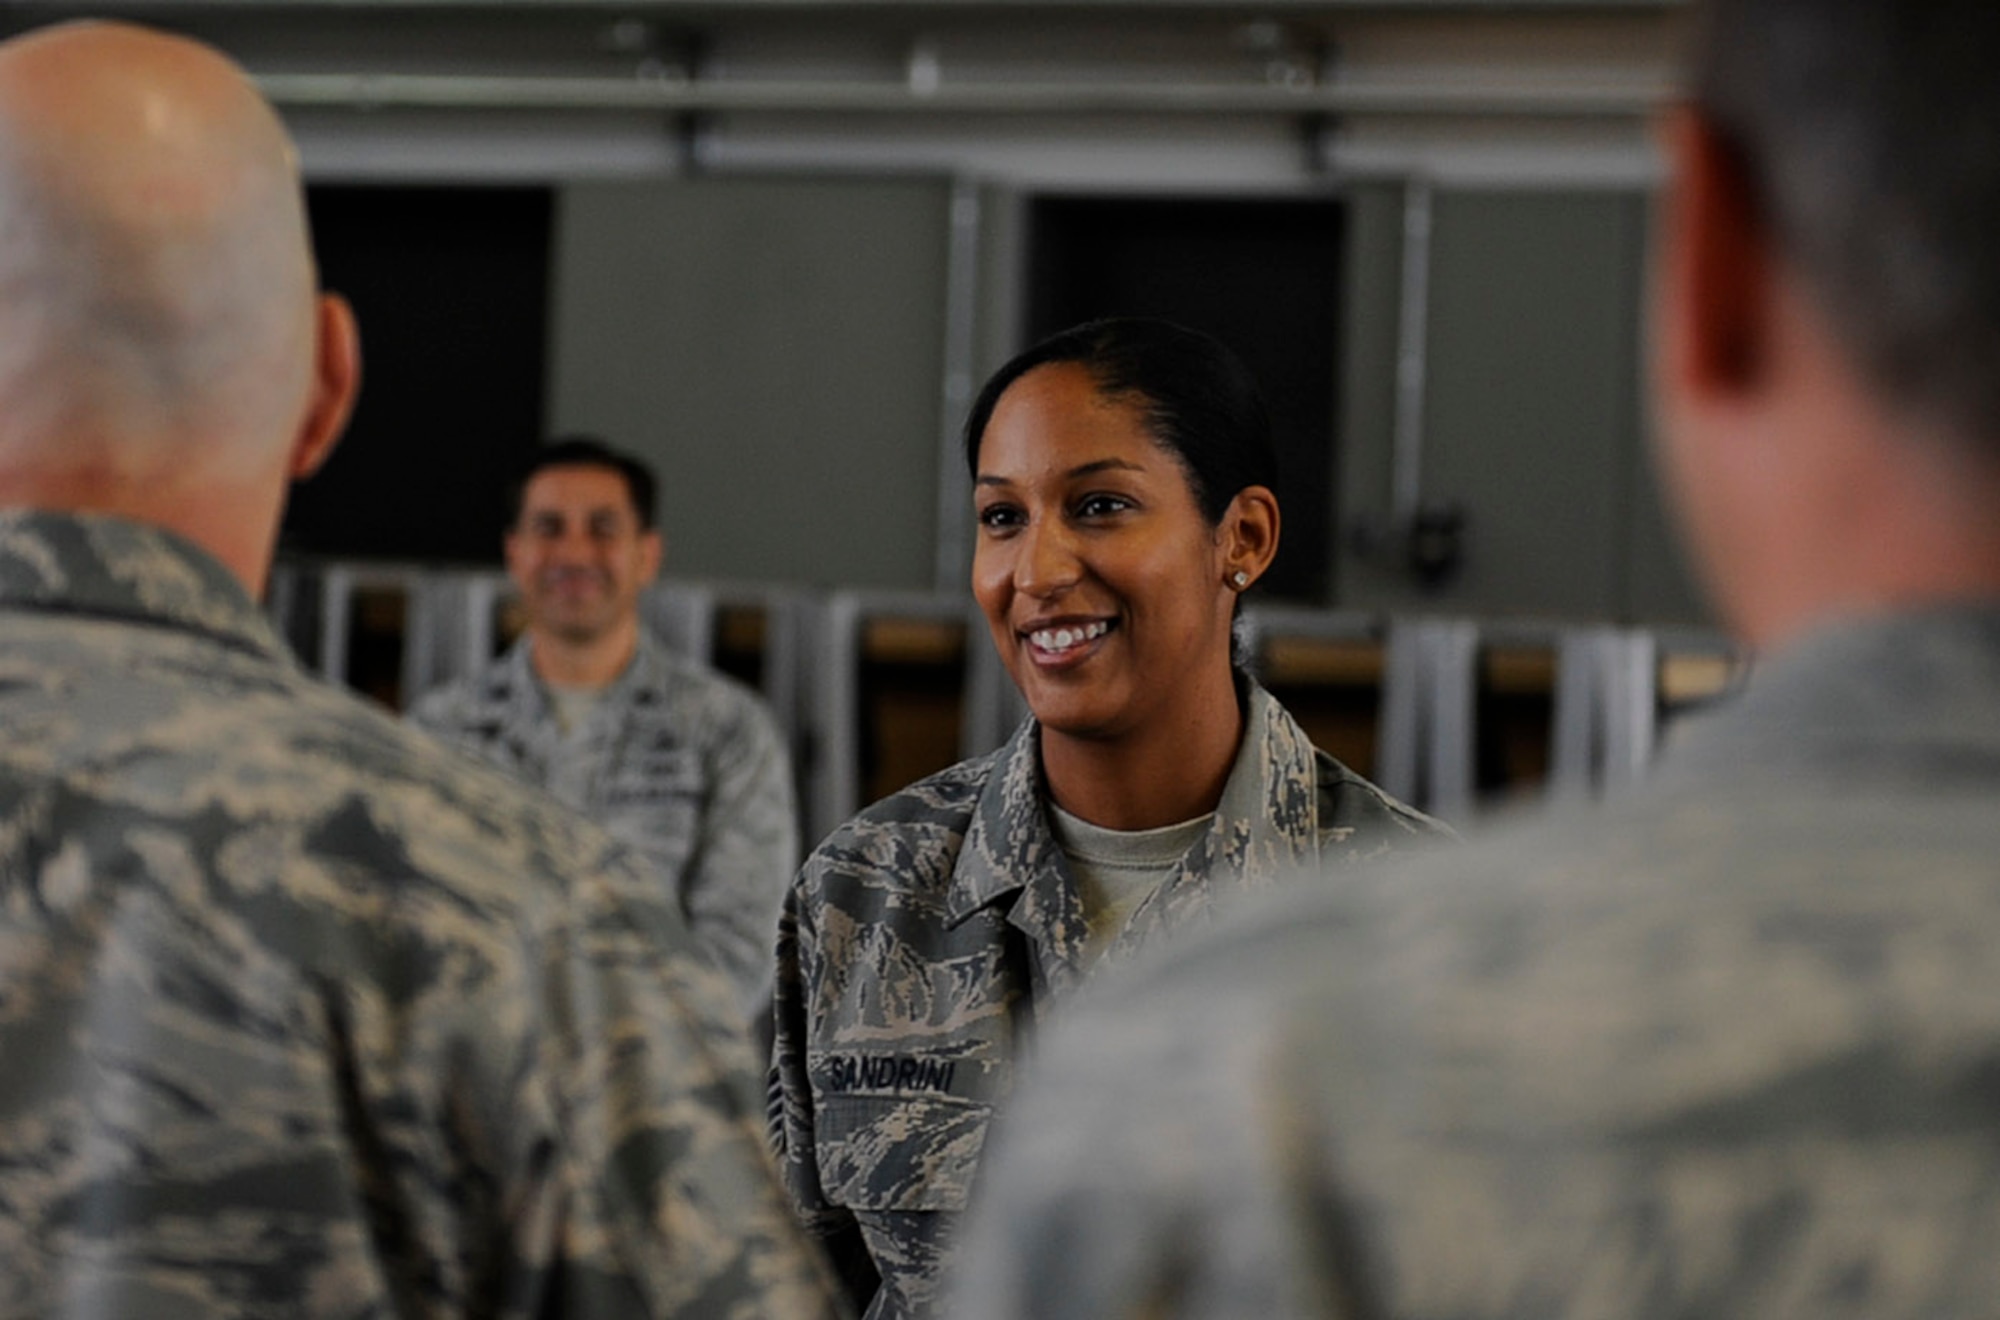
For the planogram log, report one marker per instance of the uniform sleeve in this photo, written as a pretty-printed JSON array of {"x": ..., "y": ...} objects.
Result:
[
  {"x": 660, "y": 1199},
  {"x": 1359, "y": 822},
  {"x": 747, "y": 851},
  {"x": 789, "y": 1101},
  {"x": 1154, "y": 1165},
  {"x": 435, "y": 712}
]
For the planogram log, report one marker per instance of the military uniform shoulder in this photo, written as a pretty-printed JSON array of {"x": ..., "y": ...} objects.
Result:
[
  {"x": 441, "y": 822},
  {"x": 1350, "y": 802},
  {"x": 325, "y": 781},
  {"x": 431, "y": 790},
  {"x": 698, "y": 675},
  {"x": 943, "y": 798},
  {"x": 438, "y": 705},
  {"x": 724, "y": 698},
  {"x": 915, "y": 832},
  {"x": 463, "y": 698}
]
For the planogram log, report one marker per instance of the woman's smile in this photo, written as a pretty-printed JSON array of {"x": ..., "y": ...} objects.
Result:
[{"x": 1065, "y": 645}]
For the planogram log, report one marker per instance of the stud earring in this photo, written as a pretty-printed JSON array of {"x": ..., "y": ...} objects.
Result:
[{"x": 1239, "y": 579}]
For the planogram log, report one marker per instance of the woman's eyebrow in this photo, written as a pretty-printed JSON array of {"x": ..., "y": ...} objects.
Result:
[
  {"x": 1105, "y": 465},
  {"x": 1081, "y": 470}
]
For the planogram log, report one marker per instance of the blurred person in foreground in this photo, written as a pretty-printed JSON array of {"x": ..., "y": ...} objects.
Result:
[
  {"x": 1122, "y": 485},
  {"x": 1727, "y": 1046},
  {"x": 301, "y": 1014},
  {"x": 681, "y": 762}
]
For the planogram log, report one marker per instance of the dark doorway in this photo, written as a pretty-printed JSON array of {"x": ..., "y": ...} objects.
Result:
[
  {"x": 1263, "y": 276},
  {"x": 450, "y": 286}
]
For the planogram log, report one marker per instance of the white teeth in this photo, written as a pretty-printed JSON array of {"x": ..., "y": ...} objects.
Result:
[{"x": 1062, "y": 639}]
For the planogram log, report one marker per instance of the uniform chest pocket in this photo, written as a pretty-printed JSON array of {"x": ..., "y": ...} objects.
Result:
[
  {"x": 654, "y": 775},
  {"x": 899, "y": 1152}
]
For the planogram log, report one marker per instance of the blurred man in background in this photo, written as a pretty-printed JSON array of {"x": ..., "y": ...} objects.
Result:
[
  {"x": 1729, "y": 1046},
  {"x": 680, "y": 761},
  {"x": 300, "y": 1014}
]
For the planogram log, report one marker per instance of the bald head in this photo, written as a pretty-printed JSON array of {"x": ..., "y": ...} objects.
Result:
[{"x": 159, "y": 320}]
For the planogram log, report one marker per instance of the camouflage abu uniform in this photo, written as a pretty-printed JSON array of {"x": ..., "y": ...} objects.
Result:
[
  {"x": 923, "y": 939},
  {"x": 304, "y": 1015},
  {"x": 681, "y": 762},
  {"x": 1726, "y": 1048}
]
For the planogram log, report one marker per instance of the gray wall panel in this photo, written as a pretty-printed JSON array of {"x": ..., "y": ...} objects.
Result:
[
  {"x": 775, "y": 347},
  {"x": 1367, "y": 428},
  {"x": 1533, "y": 406},
  {"x": 1531, "y": 409}
]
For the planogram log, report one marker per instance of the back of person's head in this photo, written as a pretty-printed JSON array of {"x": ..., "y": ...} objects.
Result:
[
  {"x": 156, "y": 284},
  {"x": 1869, "y": 134},
  {"x": 588, "y": 451},
  {"x": 1201, "y": 403}
]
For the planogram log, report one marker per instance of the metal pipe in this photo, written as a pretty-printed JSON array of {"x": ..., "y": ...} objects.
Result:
[
  {"x": 1412, "y": 355},
  {"x": 1596, "y": 99},
  {"x": 961, "y": 317}
]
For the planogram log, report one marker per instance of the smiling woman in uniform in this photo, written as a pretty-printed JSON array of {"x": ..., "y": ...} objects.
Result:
[{"x": 1122, "y": 480}]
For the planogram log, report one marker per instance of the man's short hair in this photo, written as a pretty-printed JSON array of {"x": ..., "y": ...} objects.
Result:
[
  {"x": 586, "y": 451},
  {"x": 1869, "y": 132}
]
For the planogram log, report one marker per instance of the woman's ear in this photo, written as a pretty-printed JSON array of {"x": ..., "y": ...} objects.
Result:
[{"x": 1248, "y": 535}]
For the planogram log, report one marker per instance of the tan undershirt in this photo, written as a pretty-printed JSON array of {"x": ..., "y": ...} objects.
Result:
[
  {"x": 571, "y": 706},
  {"x": 1117, "y": 869}
]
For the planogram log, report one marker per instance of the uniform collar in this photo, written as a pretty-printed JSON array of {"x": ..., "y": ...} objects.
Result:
[
  {"x": 1266, "y": 821},
  {"x": 106, "y": 567},
  {"x": 1008, "y": 844},
  {"x": 1910, "y": 689},
  {"x": 647, "y": 668}
]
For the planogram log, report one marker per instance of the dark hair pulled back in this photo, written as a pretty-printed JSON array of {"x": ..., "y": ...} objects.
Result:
[{"x": 1200, "y": 403}]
